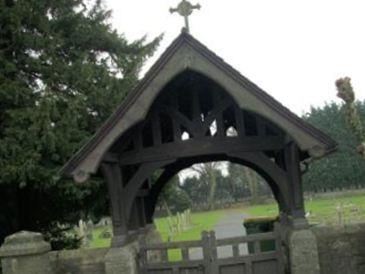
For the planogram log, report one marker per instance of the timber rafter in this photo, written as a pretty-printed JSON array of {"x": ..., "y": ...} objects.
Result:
[{"x": 191, "y": 122}]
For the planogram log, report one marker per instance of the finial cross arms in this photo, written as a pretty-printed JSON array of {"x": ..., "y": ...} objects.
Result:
[{"x": 185, "y": 9}]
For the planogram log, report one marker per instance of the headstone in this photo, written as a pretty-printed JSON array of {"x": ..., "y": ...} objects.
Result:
[{"x": 89, "y": 231}]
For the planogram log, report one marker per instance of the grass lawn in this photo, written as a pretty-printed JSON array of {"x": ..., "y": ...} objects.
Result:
[
  {"x": 323, "y": 210},
  {"x": 97, "y": 241},
  {"x": 348, "y": 209},
  {"x": 201, "y": 221}
]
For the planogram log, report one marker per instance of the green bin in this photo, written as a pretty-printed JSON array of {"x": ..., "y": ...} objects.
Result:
[{"x": 260, "y": 225}]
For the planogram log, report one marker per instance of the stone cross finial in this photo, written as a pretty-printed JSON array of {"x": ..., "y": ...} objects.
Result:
[{"x": 185, "y": 9}]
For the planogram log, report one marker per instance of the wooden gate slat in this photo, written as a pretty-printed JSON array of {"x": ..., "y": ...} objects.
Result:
[
  {"x": 249, "y": 269},
  {"x": 185, "y": 254},
  {"x": 164, "y": 255},
  {"x": 214, "y": 267},
  {"x": 235, "y": 250},
  {"x": 211, "y": 264},
  {"x": 257, "y": 247}
]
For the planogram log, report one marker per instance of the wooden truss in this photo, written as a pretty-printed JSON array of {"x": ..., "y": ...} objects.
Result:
[{"x": 194, "y": 120}]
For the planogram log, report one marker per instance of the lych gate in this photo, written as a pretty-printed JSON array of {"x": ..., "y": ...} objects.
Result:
[{"x": 192, "y": 107}]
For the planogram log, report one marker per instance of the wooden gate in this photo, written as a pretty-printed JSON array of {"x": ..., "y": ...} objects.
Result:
[{"x": 252, "y": 254}]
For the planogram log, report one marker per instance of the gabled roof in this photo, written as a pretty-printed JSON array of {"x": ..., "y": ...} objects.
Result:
[{"x": 187, "y": 53}]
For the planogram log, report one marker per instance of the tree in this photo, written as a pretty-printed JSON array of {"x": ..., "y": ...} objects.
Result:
[
  {"x": 174, "y": 198},
  {"x": 63, "y": 69},
  {"x": 208, "y": 175},
  {"x": 237, "y": 181},
  {"x": 253, "y": 184},
  {"x": 245, "y": 182},
  {"x": 196, "y": 190},
  {"x": 353, "y": 118},
  {"x": 343, "y": 169}
]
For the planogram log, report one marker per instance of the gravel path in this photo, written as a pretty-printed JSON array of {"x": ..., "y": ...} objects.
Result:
[{"x": 229, "y": 226}]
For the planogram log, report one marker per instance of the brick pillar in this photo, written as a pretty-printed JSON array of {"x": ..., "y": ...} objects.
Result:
[{"x": 25, "y": 252}]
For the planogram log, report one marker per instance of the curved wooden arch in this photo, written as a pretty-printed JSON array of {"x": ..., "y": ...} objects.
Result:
[{"x": 276, "y": 178}]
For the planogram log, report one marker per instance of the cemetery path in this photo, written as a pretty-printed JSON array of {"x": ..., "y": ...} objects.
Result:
[{"x": 231, "y": 225}]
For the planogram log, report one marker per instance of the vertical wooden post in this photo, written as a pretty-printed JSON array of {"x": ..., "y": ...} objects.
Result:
[
  {"x": 164, "y": 255},
  {"x": 240, "y": 122},
  {"x": 142, "y": 212},
  {"x": 185, "y": 254},
  {"x": 278, "y": 247},
  {"x": 113, "y": 177},
  {"x": 206, "y": 251},
  {"x": 134, "y": 219},
  {"x": 214, "y": 268},
  {"x": 235, "y": 250},
  {"x": 261, "y": 130},
  {"x": 284, "y": 209},
  {"x": 156, "y": 129},
  {"x": 173, "y": 99},
  {"x": 296, "y": 195},
  {"x": 257, "y": 246},
  {"x": 219, "y": 117}
]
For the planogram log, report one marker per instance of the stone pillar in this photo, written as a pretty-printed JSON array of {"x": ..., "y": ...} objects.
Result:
[
  {"x": 25, "y": 252},
  {"x": 122, "y": 260},
  {"x": 303, "y": 252}
]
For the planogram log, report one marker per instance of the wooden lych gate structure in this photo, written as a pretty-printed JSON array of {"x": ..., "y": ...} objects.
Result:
[{"x": 192, "y": 107}]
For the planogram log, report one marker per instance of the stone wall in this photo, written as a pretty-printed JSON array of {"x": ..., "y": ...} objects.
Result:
[
  {"x": 28, "y": 253},
  {"x": 81, "y": 261},
  {"x": 341, "y": 249}
]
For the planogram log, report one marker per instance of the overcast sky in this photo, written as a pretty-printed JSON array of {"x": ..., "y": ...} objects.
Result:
[{"x": 293, "y": 49}]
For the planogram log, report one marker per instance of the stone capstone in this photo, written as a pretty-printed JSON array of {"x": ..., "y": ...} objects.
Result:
[
  {"x": 24, "y": 243},
  {"x": 25, "y": 252}
]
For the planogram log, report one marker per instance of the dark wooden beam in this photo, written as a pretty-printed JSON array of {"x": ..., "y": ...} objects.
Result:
[
  {"x": 144, "y": 172},
  {"x": 178, "y": 117},
  {"x": 158, "y": 186},
  {"x": 175, "y": 124},
  {"x": 240, "y": 123},
  {"x": 113, "y": 178},
  {"x": 261, "y": 128},
  {"x": 110, "y": 157},
  {"x": 156, "y": 129},
  {"x": 216, "y": 111},
  {"x": 208, "y": 145},
  {"x": 143, "y": 192},
  {"x": 292, "y": 163},
  {"x": 219, "y": 116}
]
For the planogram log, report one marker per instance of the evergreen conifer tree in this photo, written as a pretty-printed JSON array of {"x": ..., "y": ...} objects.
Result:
[{"x": 63, "y": 70}]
